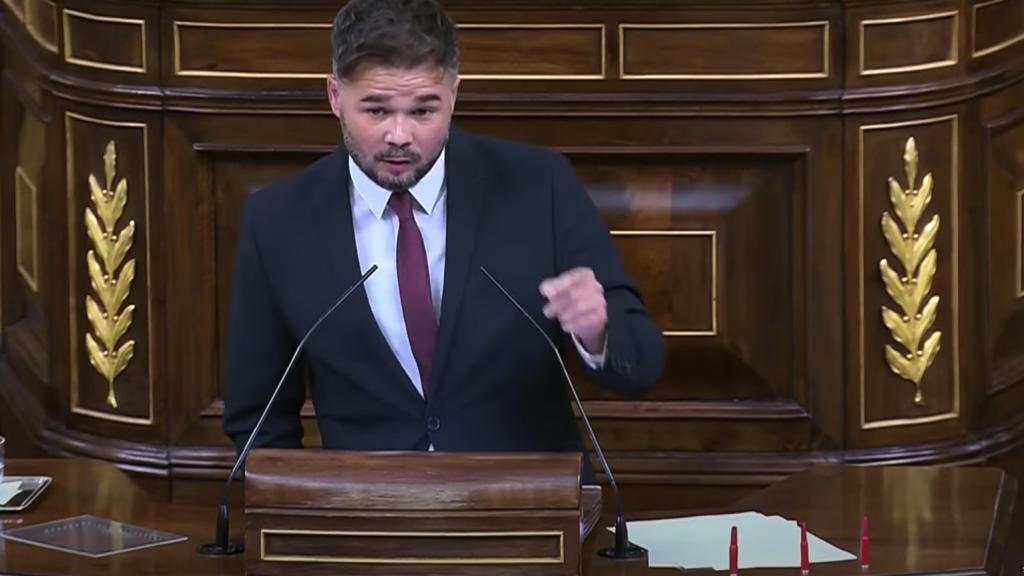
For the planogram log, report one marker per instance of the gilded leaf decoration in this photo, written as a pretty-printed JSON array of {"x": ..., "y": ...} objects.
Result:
[
  {"x": 110, "y": 281},
  {"x": 917, "y": 257}
]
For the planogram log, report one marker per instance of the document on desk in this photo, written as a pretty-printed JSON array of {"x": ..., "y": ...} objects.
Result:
[
  {"x": 703, "y": 542},
  {"x": 8, "y": 490}
]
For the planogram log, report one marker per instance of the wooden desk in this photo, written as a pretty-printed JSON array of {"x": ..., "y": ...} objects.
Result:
[{"x": 924, "y": 521}]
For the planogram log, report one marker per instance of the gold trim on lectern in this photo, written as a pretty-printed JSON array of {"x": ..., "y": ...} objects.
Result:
[{"x": 560, "y": 559}]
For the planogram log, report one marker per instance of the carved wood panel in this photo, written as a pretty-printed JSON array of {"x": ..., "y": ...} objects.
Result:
[
  {"x": 109, "y": 210},
  {"x": 907, "y": 300}
]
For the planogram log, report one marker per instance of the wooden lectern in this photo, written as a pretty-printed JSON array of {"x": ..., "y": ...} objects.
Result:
[{"x": 317, "y": 512}]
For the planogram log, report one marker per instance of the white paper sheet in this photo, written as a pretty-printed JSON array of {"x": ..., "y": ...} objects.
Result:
[
  {"x": 703, "y": 542},
  {"x": 8, "y": 491}
]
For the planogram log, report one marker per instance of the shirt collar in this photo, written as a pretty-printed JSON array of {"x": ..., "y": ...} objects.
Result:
[{"x": 426, "y": 191}]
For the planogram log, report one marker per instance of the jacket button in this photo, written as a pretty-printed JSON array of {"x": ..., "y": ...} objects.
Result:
[{"x": 433, "y": 423}]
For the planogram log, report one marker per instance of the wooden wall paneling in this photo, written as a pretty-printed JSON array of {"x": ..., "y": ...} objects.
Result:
[
  {"x": 111, "y": 42},
  {"x": 685, "y": 185},
  {"x": 233, "y": 48},
  {"x": 881, "y": 404},
  {"x": 41, "y": 23},
  {"x": 997, "y": 28},
  {"x": 823, "y": 282},
  {"x": 724, "y": 51},
  {"x": 716, "y": 49},
  {"x": 112, "y": 175},
  {"x": 26, "y": 185},
  {"x": 216, "y": 164},
  {"x": 909, "y": 43},
  {"x": 721, "y": 144},
  {"x": 17, "y": 8},
  {"x": 903, "y": 43},
  {"x": 1003, "y": 250},
  {"x": 189, "y": 273}
]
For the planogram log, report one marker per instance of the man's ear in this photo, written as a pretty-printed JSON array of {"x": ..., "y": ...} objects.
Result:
[{"x": 333, "y": 88}]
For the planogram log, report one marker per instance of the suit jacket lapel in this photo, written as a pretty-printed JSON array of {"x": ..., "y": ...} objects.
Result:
[
  {"x": 465, "y": 182},
  {"x": 333, "y": 218}
]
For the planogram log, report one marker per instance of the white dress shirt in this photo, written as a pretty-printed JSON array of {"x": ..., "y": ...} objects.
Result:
[{"x": 376, "y": 235}]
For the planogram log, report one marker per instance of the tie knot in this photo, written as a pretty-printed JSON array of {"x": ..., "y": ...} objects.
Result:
[{"x": 401, "y": 203}]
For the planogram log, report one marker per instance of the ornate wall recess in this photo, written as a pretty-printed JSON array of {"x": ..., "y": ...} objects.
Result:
[
  {"x": 917, "y": 256},
  {"x": 110, "y": 281}
]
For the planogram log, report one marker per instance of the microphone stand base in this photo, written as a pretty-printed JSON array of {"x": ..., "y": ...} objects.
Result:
[
  {"x": 228, "y": 549},
  {"x": 629, "y": 553}
]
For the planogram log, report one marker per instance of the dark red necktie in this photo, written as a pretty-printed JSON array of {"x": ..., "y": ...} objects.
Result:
[{"x": 414, "y": 286}]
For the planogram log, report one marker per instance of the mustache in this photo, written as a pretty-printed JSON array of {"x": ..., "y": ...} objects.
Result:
[{"x": 397, "y": 154}]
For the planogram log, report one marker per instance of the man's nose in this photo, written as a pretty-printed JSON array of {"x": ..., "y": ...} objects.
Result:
[{"x": 398, "y": 133}]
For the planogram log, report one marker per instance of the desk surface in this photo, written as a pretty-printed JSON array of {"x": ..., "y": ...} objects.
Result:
[{"x": 923, "y": 521}]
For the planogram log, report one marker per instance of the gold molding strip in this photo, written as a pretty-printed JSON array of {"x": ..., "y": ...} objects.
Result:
[
  {"x": 955, "y": 256},
  {"x": 179, "y": 71},
  {"x": 823, "y": 73},
  {"x": 33, "y": 31},
  {"x": 19, "y": 14},
  {"x": 951, "y": 60},
  {"x": 69, "y": 117},
  {"x": 713, "y": 234},
  {"x": 560, "y": 559},
  {"x": 552, "y": 26},
  {"x": 918, "y": 256},
  {"x": 68, "y": 57},
  {"x": 22, "y": 179},
  {"x": 1020, "y": 243},
  {"x": 975, "y": 53}
]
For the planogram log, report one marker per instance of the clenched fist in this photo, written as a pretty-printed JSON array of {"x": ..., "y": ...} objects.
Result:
[{"x": 576, "y": 299}]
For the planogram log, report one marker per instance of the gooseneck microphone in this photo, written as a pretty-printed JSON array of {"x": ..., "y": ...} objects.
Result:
[
  {"x": 222, "y": 546},
  {"x": 623, "y": 548}
]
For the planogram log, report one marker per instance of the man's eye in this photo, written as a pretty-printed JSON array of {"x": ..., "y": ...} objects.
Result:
[
  {"x": 422, "y": 112},
  {"x": 376, "y": 111}
]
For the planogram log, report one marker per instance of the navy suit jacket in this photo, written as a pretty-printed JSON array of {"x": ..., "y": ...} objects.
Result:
[{"x": 515, "y": 209}]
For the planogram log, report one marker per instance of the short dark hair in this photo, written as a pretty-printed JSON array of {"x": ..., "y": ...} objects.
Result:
[{"x": 395, "y": 33}]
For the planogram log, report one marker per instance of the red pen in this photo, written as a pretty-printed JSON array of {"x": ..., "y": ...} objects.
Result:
[
  {"x": 805, "y": 560},
  {"x": 865, "y": 545},
  {"x": 734, "y": 554}
]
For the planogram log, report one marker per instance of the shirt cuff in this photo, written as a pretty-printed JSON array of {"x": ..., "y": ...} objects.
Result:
[{"x": 594, "y": 361}]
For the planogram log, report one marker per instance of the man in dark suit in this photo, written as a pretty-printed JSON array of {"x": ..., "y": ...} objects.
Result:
[{"x": 428, "y": 355}]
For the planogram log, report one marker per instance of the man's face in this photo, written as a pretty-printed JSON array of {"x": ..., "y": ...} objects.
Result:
[{"x": 395, "y": 121}]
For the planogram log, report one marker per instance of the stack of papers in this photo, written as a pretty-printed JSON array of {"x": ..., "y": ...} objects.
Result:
[
  {"x": 7, "y": 491},
  {"x": 703, "y": 542}
]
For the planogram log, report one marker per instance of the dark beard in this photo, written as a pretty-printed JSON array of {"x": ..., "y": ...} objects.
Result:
[{"x": 385, "y": 181}]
